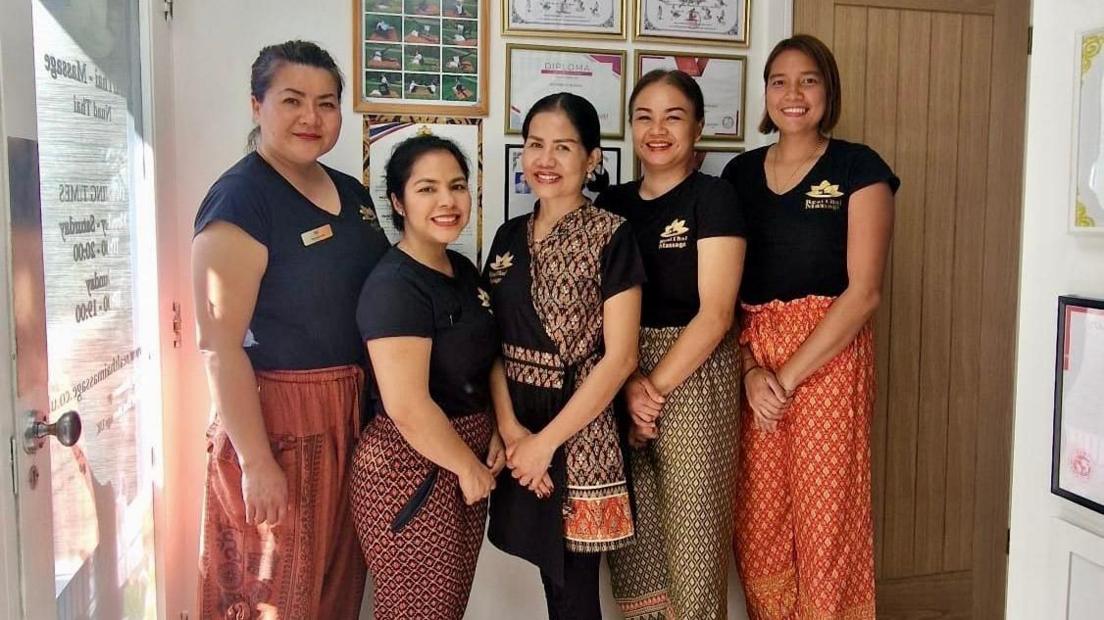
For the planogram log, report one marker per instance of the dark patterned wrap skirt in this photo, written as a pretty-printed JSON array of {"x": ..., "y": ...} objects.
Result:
[{"x": 425, "y": 569}]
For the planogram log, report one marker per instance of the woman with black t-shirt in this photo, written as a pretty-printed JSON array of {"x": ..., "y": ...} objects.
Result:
[
  {"x": 820, "y": 217},
  {"x": 684, "y": 401},
  {"x": 565, "y": 288},
  {"x": 282, "y": 246},
  {"x": 427, "y": 461}
]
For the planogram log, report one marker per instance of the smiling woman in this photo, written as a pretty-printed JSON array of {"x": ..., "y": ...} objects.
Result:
[
  {"x": 282, "y": 245},
  {"x": 431, "y": 340}
]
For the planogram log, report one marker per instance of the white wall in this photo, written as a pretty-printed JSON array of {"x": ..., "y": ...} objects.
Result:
[
  {"x": 213, "y": 45},
  {"x": 1053, "y": 262}
]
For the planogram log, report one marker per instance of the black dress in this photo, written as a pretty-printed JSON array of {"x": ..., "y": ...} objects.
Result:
[{"x": 548, "y": 299}]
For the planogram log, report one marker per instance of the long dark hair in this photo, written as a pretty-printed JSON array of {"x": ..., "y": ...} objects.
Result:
[{"x": 274, "y": 57}]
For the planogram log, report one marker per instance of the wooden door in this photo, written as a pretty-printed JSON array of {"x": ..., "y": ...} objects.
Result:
[{"x": 938, "y": 88}]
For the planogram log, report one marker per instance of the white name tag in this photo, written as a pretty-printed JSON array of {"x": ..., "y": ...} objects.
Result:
[{"x": 318, "y": 234}]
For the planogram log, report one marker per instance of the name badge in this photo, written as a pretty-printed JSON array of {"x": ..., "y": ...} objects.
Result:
[{"x": 318, "y": 234}]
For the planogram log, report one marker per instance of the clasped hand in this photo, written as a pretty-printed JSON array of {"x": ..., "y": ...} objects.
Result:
[
  {"x": 767, "y": 397},
  {"x": 528, "y": 456}
]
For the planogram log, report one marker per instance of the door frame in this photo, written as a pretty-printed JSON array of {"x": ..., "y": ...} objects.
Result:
[
  {"x": 26, "y": 566},
  {"x": 10, "y": 597}
]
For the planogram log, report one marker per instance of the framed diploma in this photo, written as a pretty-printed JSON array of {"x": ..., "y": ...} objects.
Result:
[
  {"x": 1077, "y": 460},
  {"x": 708, "y": 159},
  {"x": 519, "y": 198},
  {"x": 723, "y": 80},
  {"x": 535, "y": 71},
  {"x": 383, "y": 133},
  {"x": 586, "y": 19},
  {"x": 420, "y": 56},
  {"x": 1086, "y": 213},
  {"x": 720, "y": 21}
]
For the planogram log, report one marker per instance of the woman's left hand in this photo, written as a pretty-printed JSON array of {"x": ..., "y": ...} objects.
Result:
[
  {"x": 529, "y": 459},
  {"x": 496, "y": 454}
]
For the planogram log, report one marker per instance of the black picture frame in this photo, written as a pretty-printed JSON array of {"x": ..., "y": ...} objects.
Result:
[{"x": 1067, "y": 306}]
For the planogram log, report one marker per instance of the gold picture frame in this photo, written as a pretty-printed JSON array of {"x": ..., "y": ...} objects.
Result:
[
  {"x": 572, "y": 26},
  {"x": 570, "y": 71},
  {"x": 721, "y": 123},
  {"x": 415, "y": 57},
  {"x": 384, "y": 132},
  {"x": 678, "y": 29}
]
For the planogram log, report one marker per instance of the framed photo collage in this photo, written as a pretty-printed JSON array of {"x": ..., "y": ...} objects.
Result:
[{"x": 427, "y": 61}]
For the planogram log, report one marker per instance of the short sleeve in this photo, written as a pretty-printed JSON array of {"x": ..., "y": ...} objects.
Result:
[
  {"x": 234, "y": 199},
  {"x": 718, "y": 211},
  {"x": 622, "y": 267},
  {"x": 392, "y": 305},
  {"x": 868, "y": 168}
]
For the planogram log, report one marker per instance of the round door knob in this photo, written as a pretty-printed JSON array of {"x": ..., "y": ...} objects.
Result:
[{"x": 67, "y": 429}]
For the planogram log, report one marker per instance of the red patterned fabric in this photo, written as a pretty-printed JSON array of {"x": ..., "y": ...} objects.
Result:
[
  {"x": 804, "y": 536},
  {"x": 307, "y": 566},
  {"x": 424, "y": 570}
]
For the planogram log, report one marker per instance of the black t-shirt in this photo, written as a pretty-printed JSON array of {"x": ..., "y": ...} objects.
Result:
[
  {"x": 667, "y": 230},
  {"x": 305, "y": 315},
  {"x": 403, "y": 297},
  {"x": 797, "y": 242}
]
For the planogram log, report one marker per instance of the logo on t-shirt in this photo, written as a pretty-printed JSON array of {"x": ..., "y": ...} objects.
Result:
[
  {"x": 674, "y": 235},
  {"x": 825, "y": 196},
  {"x": 499, "y": 266},
  {"x": 368, "y": 215},
  {"x": 484, "y": 298}
]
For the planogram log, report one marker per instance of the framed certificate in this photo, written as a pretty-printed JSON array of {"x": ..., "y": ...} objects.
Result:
[
  {"x": 1077, "y": 460},
  {"x": 1086, "y": 213},
  {"x": 723, "y": 80},
  {"x": 420, "y": 56},
  {"x": 535, "y": 71},
  {"x": 720, "y": 21},
  {"x": 519, "y": 198},
  {"x": 383, "y": 133},
  {"x": 707, "y": 158},
  {"x": 585, "y": 19}
]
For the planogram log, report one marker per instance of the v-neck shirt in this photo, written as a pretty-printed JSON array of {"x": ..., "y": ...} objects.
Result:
[
  {"x": 667, "y": 230},
  {"x": 797, "y": 241},
  {"x": 305, "y": 312}
]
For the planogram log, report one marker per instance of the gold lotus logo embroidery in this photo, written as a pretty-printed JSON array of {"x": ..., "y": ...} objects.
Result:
[
  {"x": 674, "y": 229},
  {"x": 824, "y": 190},
  {"x": 367, "y": 214},
  {"x": 484, "y": 298},
  {"x": 502, "y": 262}
]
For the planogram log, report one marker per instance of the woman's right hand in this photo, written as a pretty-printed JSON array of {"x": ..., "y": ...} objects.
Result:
[
  {"x": 644, "y": 401},
  {"x": 264, "y": 489},
  {"x": 640, "y": 434},
  {"x": 766, "y": 396},
  {"x": 476, "y": 483}
]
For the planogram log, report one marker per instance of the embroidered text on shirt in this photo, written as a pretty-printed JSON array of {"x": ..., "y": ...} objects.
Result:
[{"x": 674, "y": 235}]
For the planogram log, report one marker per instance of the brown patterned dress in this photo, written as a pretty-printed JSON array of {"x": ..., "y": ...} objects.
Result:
[{"x": 547, "y": 298}]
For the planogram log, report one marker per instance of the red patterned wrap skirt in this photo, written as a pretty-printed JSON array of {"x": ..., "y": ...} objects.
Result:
[
  {"x": 804, "y": 537},
  {"x": 306, "y": 567},
  {"x": 426, "y": 568}
]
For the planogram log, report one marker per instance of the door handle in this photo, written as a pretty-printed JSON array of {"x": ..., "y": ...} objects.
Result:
[{"x": 67, "y": 430}]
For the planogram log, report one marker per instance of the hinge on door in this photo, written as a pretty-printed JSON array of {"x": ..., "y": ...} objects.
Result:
[
  {"x": 177, "y": 324},
  {"x": 167, "y": 9},
  {"x": 1030, "y": 38},
  {"x": 11, "y": 463}
]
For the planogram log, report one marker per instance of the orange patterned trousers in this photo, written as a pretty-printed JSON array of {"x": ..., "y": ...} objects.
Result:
[
  {"x": 308, "y": 567},
  {"x": 804, "y": 538}
]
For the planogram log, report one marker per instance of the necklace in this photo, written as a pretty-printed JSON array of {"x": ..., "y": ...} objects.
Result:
[{"x": 816, "y": 149}]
